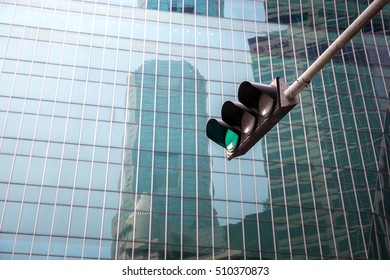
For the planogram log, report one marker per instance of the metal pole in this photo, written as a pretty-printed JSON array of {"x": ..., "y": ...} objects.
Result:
[{"x": 335, "y": 47}]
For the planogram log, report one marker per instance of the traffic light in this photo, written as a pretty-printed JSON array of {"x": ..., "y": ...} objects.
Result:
[{"x": 244, "y": 123}]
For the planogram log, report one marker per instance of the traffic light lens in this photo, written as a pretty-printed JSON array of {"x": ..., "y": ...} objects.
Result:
[
  {"x": 231, "y": 140},
  {"x": 266, "y": 105},
  {"x": 248, "y": 123}
]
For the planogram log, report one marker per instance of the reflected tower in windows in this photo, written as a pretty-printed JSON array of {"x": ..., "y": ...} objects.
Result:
[{"x": 166, "y": 210}]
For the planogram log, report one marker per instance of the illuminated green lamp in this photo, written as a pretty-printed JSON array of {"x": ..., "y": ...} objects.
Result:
[
  {"x": 231, "y": 140},
  {"x": 219, "y": 132}
]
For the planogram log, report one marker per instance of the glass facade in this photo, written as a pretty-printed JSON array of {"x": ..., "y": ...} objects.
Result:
[{"x": 103, "y": 150}]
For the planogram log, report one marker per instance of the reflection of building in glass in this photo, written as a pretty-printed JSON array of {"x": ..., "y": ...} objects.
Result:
[
  {"x": 103, "y": 151},
  {"x": 379, "y": 245},
  {"x": 316, "y": 191},
  {"x": 166, "y": 211}
]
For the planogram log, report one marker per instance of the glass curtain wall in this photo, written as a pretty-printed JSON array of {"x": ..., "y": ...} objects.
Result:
[{"x": 103, "y": 150}]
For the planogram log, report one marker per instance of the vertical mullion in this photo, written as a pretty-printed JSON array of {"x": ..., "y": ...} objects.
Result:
[
  {"x": 359, "y": 143},
  {"x": 17, "y": 143},
  {"x": 85, "y": 237},
  {"x": 167, "y": 145},
  {"x": 307, "y": 142},
  {"x": 266, "y": 145},
  {"x": 292, "y": 135},
  {"x": 208, "y": 89},
  {"x": 196, "y": 96},
  {"x": 334, "y": 149},
  {"x": 182, "y": 151},
  {"x": 122, "y": 181},
  {"x": 319, "y": 143},
  {"x": 293, "y": 143},
  {"x": 257, "y": 18},
  {"x": 279, "y": 142},
  {"x": 50, "y": 133},
  {"x": 226, "y": 165},
  {"x": 71, "y": 206},
  {"x": 225, "y": 162},
  {"x": 139, "y": 139},
  {"x": 239, "y": 160},
  {"x": 66, "y": 128},
  {"x": 348, "y": 152},
  {"x": 123, "y": 148},
  {"x": 46, "y": 154},
  {"x": 152, "y": 194}
]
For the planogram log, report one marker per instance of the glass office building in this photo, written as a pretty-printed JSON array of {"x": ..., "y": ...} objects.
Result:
[{"x": 103, "y": 150}]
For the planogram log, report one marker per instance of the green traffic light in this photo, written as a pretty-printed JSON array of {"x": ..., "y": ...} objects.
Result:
[{"x": 231, "y": 140}]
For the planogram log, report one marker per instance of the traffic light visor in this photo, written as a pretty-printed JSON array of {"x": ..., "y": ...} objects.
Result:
[
  {"x": 239, "y": 117},
  {"x": 258, "y": 97}
]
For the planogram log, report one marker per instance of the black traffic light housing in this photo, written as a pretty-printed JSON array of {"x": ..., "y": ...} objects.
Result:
[{"x": 244, "y": 123}]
